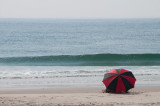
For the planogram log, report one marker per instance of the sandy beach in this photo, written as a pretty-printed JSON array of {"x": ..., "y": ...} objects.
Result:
[
  {"x": 139, "y": 96},
  {"x": 62, "y": 61}
]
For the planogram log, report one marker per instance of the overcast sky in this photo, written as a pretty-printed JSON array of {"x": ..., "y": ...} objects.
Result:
[{"x": 79, "y": 8}]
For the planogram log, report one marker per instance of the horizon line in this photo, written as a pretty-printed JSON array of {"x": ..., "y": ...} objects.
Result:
[{"x": 79, "y": 18}]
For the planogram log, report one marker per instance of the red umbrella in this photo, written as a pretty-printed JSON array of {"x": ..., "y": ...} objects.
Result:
[{"x": 119, "y": 80}]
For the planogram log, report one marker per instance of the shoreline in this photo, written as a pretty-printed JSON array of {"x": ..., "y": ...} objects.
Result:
[
  {"x": 74, "y": 90},
  {"x": 140, "y": 95}
]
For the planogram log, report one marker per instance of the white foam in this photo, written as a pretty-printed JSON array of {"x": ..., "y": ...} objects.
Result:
[
  {"x": 23, "y": 72},
  {"x": 58, "y": 76}
]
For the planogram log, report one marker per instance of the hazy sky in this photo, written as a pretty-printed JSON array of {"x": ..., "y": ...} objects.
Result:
[{"x": 80, "y": 8}]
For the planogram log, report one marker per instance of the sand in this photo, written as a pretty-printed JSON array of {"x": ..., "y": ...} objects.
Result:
[{"x": 139, "y": 96}]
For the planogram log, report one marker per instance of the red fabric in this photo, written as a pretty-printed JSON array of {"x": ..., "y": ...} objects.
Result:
[
  {"x": 130, "y": 79},
  {"x": 113, "y": 71},
  {"x": 123, "y": 71},
  {"x": 108, "y": 80},
  {"x": 120, "y": 86}
]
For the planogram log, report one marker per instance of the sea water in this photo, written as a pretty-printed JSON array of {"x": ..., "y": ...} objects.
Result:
[{"x": 48, "y": 53}]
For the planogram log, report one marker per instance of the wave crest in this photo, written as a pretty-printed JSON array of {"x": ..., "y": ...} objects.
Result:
[{"x": 85, "y": 60}]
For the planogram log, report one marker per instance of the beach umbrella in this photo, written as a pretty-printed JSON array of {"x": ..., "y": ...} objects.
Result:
[{"x": 119, "y": 80}]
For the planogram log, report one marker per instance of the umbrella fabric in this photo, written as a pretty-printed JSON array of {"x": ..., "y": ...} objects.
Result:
[{"x": 119, "y": 80}]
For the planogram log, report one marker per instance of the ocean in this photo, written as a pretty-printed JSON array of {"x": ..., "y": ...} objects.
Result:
[{"x": 49, "y": 53}]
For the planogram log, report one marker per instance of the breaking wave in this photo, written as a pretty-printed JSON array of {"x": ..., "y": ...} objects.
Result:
[{"x": 85, "y": 60}]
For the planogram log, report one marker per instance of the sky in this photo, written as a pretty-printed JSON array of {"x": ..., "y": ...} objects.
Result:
[{"x": 80, "y": 9}]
